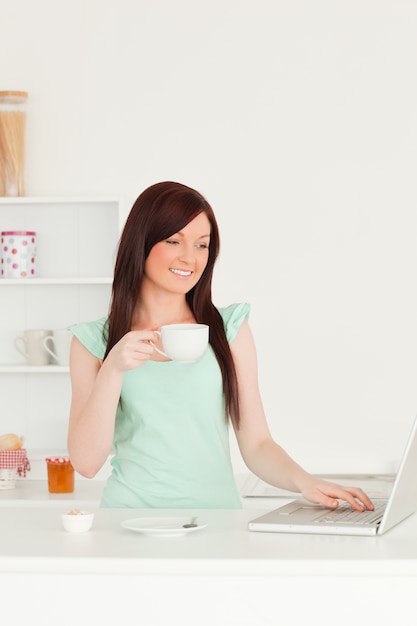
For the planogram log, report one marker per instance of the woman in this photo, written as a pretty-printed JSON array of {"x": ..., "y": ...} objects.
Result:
[{"x": 167, "y": 422}]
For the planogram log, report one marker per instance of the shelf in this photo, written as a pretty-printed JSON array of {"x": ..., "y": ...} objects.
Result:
[
  {"x": 77, "y": 280},
  {"x": 56, "y": 199},
  {"x": 34, "y": 369},
  {"x": 78, "y": 238}
]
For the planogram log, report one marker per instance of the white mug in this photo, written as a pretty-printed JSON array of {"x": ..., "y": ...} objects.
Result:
[
  {"x": 183, "y": 342},
  {"x": 30, "y": 345},
  {"x": 60, "y": 339}
]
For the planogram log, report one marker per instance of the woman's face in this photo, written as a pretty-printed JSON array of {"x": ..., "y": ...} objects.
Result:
[{"x": 177, "y": 263}]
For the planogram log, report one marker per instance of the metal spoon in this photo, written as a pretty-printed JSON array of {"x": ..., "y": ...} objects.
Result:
[{"x": 191, "y": 524}]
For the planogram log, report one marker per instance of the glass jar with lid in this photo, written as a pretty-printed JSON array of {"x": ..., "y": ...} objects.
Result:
[
  {"x": 60, "y": 474},
  {"x": 12, "y": 142}
]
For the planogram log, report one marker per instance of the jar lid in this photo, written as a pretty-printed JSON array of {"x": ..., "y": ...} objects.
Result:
[
  {"x": 13, "y": 96},
  {"x": 18, "y": 232},
  {"x": 57, "y": 459}
]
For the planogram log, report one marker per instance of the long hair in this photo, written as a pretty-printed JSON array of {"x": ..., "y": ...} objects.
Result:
[{"x": 159, "y": 212}]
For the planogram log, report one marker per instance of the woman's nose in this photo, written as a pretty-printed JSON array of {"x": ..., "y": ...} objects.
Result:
[{"x": 187, "y": 254}]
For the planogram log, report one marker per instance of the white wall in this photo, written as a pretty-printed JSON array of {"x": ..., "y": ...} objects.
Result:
[{"x": 298, "y": 121}]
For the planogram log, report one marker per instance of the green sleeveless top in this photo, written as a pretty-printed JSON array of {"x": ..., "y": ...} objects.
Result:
[{"x": 171, "y": 440}]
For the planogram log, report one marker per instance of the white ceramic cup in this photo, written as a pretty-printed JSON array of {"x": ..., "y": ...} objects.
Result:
[
  {"x": 58, "y": 345},
  {"x": 183, "y": 342},
  {"x": 30, "y": 345}
]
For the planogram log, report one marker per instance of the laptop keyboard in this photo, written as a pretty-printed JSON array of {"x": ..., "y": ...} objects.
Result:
[{"x": 348, "y": 515}]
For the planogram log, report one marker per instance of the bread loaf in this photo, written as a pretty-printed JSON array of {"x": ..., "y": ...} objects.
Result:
[{"x": 10, "y": 442}]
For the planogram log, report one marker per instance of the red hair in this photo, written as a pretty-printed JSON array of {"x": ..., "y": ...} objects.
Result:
[{"x": 159, "y": 212}]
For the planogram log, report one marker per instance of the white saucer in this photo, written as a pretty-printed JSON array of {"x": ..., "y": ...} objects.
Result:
[{"x": 162, "y": 526}]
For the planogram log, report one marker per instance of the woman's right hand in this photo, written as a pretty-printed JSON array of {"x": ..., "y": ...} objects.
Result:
[
  {"x": 96, "y": 390},
  {"x": 132, "y": 350}
]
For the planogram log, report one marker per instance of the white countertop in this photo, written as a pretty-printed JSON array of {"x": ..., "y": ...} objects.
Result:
[
  {"x": 32, "y": 540},
  {"x": 28, "y": 493},
  {"x": 222, "y": 574}
]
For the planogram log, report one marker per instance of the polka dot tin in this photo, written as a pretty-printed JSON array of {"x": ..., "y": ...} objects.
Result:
[{"x": 18, "y": 254}]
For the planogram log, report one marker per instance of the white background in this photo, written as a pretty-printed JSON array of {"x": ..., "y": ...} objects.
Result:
[{"x": 297, "y": 119}]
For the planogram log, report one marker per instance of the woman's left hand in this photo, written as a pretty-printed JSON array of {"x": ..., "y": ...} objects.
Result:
[{"x": 328, "y": 494}]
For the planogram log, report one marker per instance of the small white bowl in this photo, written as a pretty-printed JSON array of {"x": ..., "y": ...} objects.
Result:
[{"x": 78, "y": 522}]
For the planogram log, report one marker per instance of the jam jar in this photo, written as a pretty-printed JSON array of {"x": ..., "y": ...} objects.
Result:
[{"x": 60, "y": 475}]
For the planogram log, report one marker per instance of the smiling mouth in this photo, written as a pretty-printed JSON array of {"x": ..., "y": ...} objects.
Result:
[{"x": 184, "y": 273}]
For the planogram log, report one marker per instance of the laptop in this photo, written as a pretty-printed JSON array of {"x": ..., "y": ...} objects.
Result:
[{"x": 299, "y": 516}]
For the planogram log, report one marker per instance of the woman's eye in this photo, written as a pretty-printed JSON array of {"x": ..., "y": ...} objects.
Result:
[
  {"x": 172, "y": 241},
  {"x": 204, "y": 246}
]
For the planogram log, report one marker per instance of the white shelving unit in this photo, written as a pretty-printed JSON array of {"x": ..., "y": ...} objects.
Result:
[
  {"x": 76, "y": 245},
  {"x": 30, "y": 282}
]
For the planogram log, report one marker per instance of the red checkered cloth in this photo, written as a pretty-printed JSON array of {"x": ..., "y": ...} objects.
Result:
[{"x": 15, "y": 459}]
